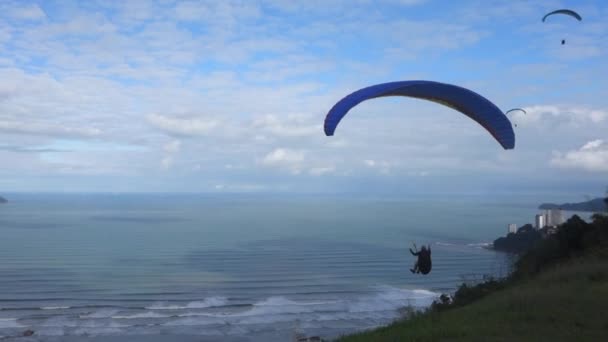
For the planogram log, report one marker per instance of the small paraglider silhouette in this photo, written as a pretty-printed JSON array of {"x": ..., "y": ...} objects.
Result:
[
  {"x": 423, "y": 264},
  {"x": 567, "y": 12},
  {"x": 513, "y": 110}
]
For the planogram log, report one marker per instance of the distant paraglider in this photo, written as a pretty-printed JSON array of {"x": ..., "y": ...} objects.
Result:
[
  {"x": 515, "y": 110},
  {"x": 563, "y": 12},
  {"x": 463, "y": 100}
]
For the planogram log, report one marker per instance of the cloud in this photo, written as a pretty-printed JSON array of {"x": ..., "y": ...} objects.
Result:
[
  {"x": 332, "y": 6},
  {"x": 47, "y": 129},
  {"x": 382, "y": 166},
  {"x": 173, "y": 146},
  {"x": 284, "y": 157},
  {"x": 191, "y": 10},
  {"x": 166, "y": 162},
  {"x": 427, "y": 37},
  {"x": 559, "y": 114},
  {"x": 592, "y": 145},
  {"x": 182, "y": 126},
  {"x": 171, "y": 149},
  {"x": 28, "y": 12},
  {"x": 22, "y": 149},
  {"x": 292, "y": 126},
  {"x": 297, "y": 162},
  {"x": 223, "y": 13},
  {"x": 319, "y": 171},
  {"x": 229, "y": 92},
  {"x": 593, "y": 156}
]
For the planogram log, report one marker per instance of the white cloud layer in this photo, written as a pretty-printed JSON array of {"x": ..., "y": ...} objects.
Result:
[
  {"x": 37, "y": 128},
  {"x": 28, "y": 12},
  {"x": 235, "y": 92},
  {"x": 284, "y": 157},
  {"x": 182, "y": 126},
  {"x": 293, "y": 126},
  {"x": 593, "y": 156},
  {"x": 556, "y": 114}
]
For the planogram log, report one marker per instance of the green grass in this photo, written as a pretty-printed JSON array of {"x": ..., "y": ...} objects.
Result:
[{"x": 568, "y": 302}]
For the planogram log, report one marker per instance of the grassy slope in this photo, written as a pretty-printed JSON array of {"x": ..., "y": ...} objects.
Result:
[{"x": 566, "y": 303}]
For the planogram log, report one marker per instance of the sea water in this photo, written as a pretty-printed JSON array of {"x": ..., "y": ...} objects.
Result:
[{"x": 235, "y": 266}]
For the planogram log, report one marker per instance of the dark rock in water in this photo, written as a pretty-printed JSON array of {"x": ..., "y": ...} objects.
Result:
[
  {"x": 28, "y": 333},
  {"x": 3, "y": 200}
]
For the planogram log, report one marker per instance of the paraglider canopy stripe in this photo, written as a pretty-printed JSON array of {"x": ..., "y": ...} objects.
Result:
[
  {"x": 564, "y": 11},
  {"x": 463, "y": 100}
]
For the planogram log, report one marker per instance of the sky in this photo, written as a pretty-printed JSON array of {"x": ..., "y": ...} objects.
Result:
[{"x": 230, "y": 96}]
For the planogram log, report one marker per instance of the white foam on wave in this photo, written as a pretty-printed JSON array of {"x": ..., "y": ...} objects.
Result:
[
  {"x": 50, "y": 331},
  {"x": 60, "y": 321},
  {"x": 10, "y": 323},
  {"x": 103, "y": 313},
  {"x": 381, "y": 306},
  {"x": 206, "y": 303},
  {"x": 474, "y": 244},
  {"x": 444, "y": 244},
  {"x": 65, "y": 322},
  {"x": 198, "y": 320},
  {"x": 86, "y": 331},
  {"x": 392, "y": 299},
  {"x": 282, "y": 301},
  {"x": 54, "y": 307},
  {"x": 480, "y": 244},
  {"x": 147, "y": 314}
]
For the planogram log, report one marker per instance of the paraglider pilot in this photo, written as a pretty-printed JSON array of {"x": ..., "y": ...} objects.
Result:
[{"x": 423, "y": 264}]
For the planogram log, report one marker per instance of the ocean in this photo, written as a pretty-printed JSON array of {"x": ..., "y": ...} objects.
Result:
[{"x": 235, "y": 266}]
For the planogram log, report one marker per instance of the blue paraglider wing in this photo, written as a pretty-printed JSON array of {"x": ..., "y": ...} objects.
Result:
[
  {"x": 463, "y": 100},
  {"x": 564, "y": 11}
]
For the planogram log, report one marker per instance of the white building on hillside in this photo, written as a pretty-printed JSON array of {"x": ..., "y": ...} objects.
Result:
[
  {"x": 539, "y": 221},
  {"x": 554, "y": 217},
  {"x": 512, "y": 228}
]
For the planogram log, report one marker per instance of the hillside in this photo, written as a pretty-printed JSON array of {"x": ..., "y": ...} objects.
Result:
[
  {"x": 594, "y": 205},
  {"x": 557, "y": 292},
  {"x": 563, "y": 304},
  {"x": 3, "y": 200}
]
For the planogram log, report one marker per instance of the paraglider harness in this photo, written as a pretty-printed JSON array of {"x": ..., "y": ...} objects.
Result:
[{"x": 423, "y": 264}]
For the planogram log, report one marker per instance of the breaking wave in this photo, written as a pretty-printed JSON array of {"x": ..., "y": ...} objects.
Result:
[
  {"x": 9, "y": 323},
  {"x": 207, "y": 303},
  {"x": 141, "y": 315}
]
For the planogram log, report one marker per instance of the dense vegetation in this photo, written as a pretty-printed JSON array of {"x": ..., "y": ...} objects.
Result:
[
  {"x": 523, "y": 240},
  {"x": 558, "y": 291}
]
